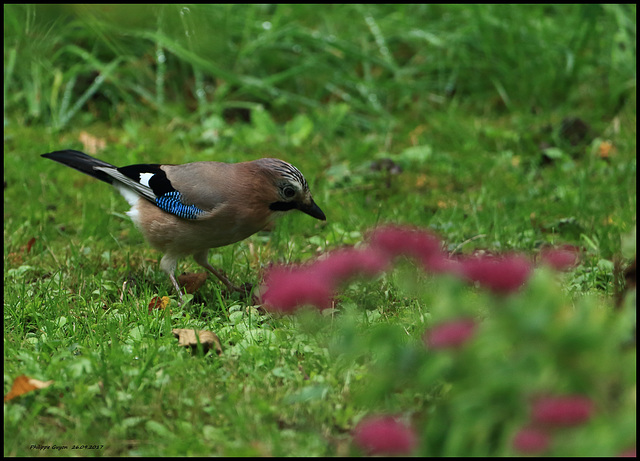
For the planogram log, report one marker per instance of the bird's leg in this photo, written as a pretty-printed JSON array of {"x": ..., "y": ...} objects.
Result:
[
  {"x": 177, "y": 287},
  {"x": 201, "y": 258},
  {"x": 168, "y": 264}
]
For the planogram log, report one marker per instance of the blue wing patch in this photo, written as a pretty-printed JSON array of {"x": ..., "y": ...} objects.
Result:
[{"x": 171, "y": 203}]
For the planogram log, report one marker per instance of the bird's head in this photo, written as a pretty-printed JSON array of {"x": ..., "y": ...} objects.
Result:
[{"x": 290, "y": 189}]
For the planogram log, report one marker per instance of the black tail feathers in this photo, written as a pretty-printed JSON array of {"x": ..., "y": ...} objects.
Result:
[{"x": 81, "y": 162}]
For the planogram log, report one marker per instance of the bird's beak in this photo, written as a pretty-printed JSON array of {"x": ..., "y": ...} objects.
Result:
[{"x": 312, "y": 210}]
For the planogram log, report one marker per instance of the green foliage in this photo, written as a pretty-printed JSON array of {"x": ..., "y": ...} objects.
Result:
[
  {"x": 471, "y": 400},
  {"x": 121, "y": 61},
  {"x": 457, "y": 118}
]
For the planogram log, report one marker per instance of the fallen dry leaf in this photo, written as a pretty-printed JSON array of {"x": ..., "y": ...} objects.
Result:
[
  {"x": 415, "y": 133},
  {"x": 606, "y": 149},
  {"x": 91, "y": 144},
  {"x": 23, "y": 384},
  {"x": 192, "y": 281},
  {"x": 187, "y": 338},
  {"x": 421, "y": 180},
  {"x": 16, "y": 258},
  {"x": 30, "y": 243},
  {"x": 159, "y": 303}
]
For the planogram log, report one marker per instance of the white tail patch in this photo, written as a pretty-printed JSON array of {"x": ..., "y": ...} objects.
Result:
[
  {"x": 134, "y": 215},
  {"x": 145, "y": 178},
  {"x": 133, "y": 198},
  {"x": 130, "y": 196}
]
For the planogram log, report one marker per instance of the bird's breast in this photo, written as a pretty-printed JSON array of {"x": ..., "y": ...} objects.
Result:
[{"x": 170, "y": 233}]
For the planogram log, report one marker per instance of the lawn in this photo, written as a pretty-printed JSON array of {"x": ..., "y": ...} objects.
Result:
[{"x": 489, "y": 129}]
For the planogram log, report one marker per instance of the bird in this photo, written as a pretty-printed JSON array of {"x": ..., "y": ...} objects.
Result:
[{"x": 189, "y": 208}]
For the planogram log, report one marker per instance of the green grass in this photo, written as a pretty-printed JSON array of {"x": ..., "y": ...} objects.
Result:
[{"x": 469, "y": 102}]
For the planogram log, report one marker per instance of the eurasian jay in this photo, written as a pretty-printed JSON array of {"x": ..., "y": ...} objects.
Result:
[{"x": 186, "y": 209}]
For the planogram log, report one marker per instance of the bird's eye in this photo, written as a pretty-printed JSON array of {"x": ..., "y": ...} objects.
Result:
[{"x": 289, "y": 191}]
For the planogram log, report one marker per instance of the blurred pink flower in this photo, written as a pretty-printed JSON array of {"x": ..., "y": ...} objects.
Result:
[
  {"x": 343, "y": 264},
  {"x": 450, "y": 334},
  {"x": 570, "y": 410},
  {"x": 630, "y": 453},
  {"x": 500, "y": 274},
  {"x": 560, "y": 259},
  {"x": 286, "y": 289},
  {"x": 404, "y": 241},
  {"x": 440, "y": 263},
  {"x": 384, "y": 435},
  {"x": 531, "y": 441}
]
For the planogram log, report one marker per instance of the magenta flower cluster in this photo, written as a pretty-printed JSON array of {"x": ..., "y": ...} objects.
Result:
[
  {"x": 562, "y": 411},
  {"x": 547, "y": 414},
  {"x": 560, "y": 259},
  {"x": 451, "y": 334},
  {"x": 384, "y": 435},
  {"x": 287, "y": 288}
]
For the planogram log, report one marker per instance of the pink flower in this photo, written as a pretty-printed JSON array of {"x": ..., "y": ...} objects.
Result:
[
  {"x": 630, "y": 453},
  {"x": 440, "y": 263},
  {"x": 451, "y": 334},
  {"x": 531, "y": 441},
  {"x": 502, "y": 275},
  {"x": 570, "y": 410},
  {"x": 384, "y": 435},
  {"x": 286, "y": 289},
  {"x": 560, "y": 259},
  {"x": 343, "y": 264},
  {"x": 404, "y": 241}
]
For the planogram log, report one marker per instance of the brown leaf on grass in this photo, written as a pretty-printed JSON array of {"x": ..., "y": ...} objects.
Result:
[
  {"x": 159, "y": 303},
  {"x": 606, "y": 149},
  {"x": 192, "y": 281},
  {"x": 23, "y": 384},
  {"x": 91, "y": 144},
  {"x": 17, "y": 257},
  {"x": 421, "y": 180},
  {"x": 30, "y": 243},
  {"x": 208, "y": 340},
  {"x": 416, "y": 133}
]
